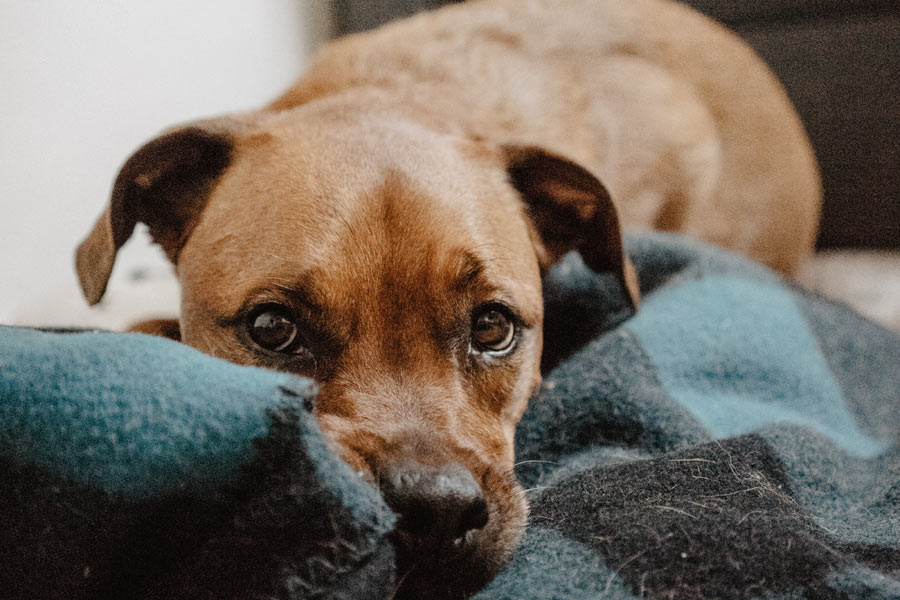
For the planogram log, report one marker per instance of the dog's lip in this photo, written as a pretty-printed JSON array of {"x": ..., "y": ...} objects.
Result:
[{"x": 415, "y": 549}]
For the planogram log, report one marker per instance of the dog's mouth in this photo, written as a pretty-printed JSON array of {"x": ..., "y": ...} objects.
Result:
[
  {"x": 426, "y": 569},
  {"x": 411, "y": 547},
  {"x": 458, "y": 567},
  {"x": 422, "y": 551}
]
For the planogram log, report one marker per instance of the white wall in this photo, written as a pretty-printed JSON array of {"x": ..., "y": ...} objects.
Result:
[{"x": 84, "y": 83}]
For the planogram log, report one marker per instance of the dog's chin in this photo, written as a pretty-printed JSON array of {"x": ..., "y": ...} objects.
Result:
[{"x": 461, "y": 571}]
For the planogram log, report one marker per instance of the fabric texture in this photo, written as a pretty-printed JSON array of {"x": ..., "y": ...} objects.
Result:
[
  {"x": 737, "y": 438},
  {"x": 136, "y": 467}
]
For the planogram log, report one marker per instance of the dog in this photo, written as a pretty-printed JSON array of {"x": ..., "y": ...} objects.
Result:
[{"x": 383, "y": 226}]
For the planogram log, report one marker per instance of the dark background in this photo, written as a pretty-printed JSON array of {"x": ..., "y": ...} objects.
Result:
[{"x": 840, "y": 63}]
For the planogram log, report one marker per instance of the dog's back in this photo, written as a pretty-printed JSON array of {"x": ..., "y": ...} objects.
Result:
[{"x": 682, "y": 122}]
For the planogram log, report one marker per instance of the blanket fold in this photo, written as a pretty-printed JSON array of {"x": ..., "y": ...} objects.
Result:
[
  {"x": 135, "y": 467},
  {"x": 737, "y": 438}
]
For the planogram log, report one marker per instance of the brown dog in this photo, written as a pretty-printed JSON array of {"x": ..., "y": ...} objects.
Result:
[{"x": 383, "y": 227}]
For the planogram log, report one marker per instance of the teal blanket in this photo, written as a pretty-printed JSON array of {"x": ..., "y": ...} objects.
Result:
[{"x": 738, "y": 438}]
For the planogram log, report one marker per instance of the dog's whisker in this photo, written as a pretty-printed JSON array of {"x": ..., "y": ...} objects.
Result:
[
  {"x": 400, "y": 582},
  {"x": 525, "y": 462}
]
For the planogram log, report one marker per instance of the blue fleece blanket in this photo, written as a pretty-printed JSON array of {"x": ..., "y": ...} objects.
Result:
[{"x": 738, "y": 438}]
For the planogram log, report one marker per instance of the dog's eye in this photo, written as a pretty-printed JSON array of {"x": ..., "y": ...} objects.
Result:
[
  {"x": 493, "y": 329},
  {"x": 272, "y": 326}
]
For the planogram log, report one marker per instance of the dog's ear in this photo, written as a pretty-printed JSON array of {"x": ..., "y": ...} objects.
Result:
[
  {"x": 165, "y": 184},
  {"x": 571, "y": 210}
]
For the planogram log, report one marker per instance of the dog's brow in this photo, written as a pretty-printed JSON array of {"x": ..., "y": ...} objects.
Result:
[
  {"x": 469, "y": 269},
  {"x": 293, "y": 292}
]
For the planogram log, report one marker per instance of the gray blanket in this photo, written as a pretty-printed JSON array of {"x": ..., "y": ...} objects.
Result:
[{"x": 738, "y": 438}]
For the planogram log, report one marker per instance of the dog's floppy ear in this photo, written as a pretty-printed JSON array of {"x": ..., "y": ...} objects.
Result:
[
  {"x": 165, "y": 184},
  {"x": 571, "y": 210}
]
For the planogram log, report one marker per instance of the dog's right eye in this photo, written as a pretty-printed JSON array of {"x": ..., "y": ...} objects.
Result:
[
  {"x": 273, "y": 327},
  {"x": 493, "y": 329}
]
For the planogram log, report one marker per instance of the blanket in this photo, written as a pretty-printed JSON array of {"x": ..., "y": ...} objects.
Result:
[{"x": 737, "y": 438}]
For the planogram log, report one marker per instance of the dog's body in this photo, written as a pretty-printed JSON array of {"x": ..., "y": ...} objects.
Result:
[
  {"x": 382, "y": 227},
  {"x": 682, "y": 123}
]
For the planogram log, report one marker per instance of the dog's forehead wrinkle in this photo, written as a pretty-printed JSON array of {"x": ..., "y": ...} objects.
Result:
[
  {"x": 402, "y": 397},
  {"x": 469, "y": 268},
  {"x": 394, "y": 242}
]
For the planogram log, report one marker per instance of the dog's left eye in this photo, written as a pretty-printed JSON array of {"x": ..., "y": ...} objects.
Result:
[
  {"x": 273, "y": 327},
  {"x": 493, "y": 329}
]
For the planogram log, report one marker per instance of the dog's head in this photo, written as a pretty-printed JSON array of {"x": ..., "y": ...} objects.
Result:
[{"x": 398, "y": 266}]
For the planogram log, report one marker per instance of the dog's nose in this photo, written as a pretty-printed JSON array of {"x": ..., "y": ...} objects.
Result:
[{"x": 440, "y": 504}]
